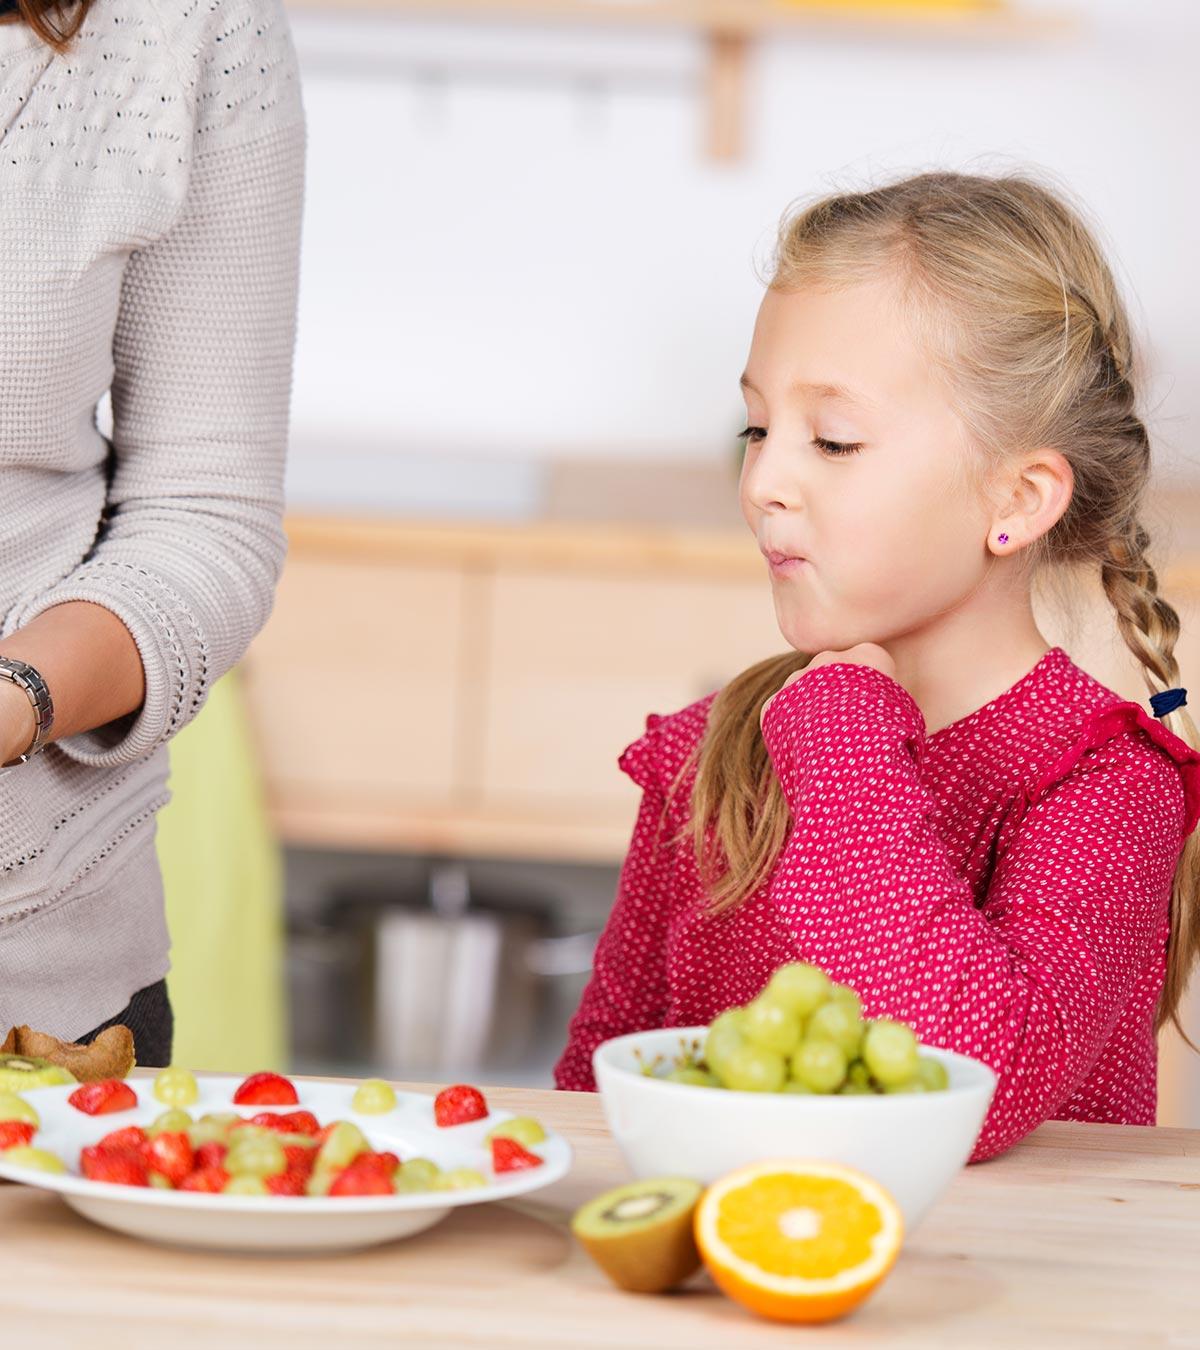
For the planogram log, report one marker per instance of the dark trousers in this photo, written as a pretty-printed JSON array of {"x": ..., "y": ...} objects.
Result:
[{"x": 152, "y": 1022}]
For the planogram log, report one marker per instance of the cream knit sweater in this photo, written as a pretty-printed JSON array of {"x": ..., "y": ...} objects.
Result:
[{"x": 150, "y": 196}]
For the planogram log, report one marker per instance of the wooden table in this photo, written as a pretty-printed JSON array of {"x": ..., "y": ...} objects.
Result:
[{"x": 1082, "y": 1235}]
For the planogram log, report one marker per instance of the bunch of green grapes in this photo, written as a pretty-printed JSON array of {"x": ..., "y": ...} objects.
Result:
[{"x": 805, "y": 1034}]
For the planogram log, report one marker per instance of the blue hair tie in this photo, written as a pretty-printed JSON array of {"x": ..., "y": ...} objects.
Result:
[{"x": 1167, "y": 701}]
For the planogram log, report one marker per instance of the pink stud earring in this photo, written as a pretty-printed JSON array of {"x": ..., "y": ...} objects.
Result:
[{"x": 1003, "y": 539}]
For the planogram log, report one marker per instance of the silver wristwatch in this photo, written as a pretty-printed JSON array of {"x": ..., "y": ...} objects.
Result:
[{"x": 37, "y": 692}]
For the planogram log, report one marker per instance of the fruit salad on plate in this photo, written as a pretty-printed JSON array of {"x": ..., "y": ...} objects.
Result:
[{"x": 263, "y": 1147}]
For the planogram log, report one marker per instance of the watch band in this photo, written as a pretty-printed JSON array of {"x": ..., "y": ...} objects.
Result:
[{"x": 25, "y": 677}]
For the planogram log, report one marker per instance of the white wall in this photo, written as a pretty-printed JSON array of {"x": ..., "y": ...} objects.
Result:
[{"x": 510, "y": 263}]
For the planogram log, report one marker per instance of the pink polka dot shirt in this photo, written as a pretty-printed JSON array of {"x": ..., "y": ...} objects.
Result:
[{"x": 1001, "y": 884}]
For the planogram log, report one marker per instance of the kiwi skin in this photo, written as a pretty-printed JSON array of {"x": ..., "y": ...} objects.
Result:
[{"x": 641, "y": 1234}]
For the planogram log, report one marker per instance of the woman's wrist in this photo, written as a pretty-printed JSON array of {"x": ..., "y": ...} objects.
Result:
[{"x": 18, "y": 722}]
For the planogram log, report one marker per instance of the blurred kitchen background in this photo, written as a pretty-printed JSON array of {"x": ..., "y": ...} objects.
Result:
[{"x": 530, "y": 270}]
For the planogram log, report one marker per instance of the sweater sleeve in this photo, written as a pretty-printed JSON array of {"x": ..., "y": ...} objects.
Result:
[
  {"x": 1030, "y": 982},
  {"x": 627, "y": 990},
  {"x": 191, "y": 542}
]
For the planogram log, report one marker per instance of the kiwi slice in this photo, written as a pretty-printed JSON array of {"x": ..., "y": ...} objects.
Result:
[
  {"x": 19, "y": 1072},
  {"x": 640, "y": 1234}
]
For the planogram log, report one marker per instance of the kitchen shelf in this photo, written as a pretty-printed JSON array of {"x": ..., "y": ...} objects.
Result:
[{"x": 730, "y": 26}]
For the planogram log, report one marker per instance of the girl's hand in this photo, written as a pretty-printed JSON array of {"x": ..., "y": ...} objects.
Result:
[{"x": 864, "y": 654}]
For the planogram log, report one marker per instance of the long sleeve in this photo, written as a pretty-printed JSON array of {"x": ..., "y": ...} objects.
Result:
[
  {"x": 1031, "y": 981},
  {"x": 627, "y": 990},
  {"x": 191, "y": 543}
]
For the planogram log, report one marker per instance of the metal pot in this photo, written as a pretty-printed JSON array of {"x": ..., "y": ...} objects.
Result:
[{"x": 452, "y": 983}]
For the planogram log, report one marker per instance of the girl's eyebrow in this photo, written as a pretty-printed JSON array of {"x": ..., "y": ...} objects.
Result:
[{"x": 837, "y": 393}]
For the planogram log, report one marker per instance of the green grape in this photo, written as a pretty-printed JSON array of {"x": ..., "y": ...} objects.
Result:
[
  {"x": 255, "y": 1156},
  {"x": 319, "y": 1180},
  {"x": 771, "y": 1025},
  {"x": 296, "y": 1140},
  {"x": 849, "y": 1089},
  {"x": 842, "y": 993},
  {"x": 374, "y": 1098},
  {"x": 798, "y": 987},
  {"x": 798, "y": 1088},
  {"x": 245, "y": 1184},
  {"x": 913, "y": 1084},
  {"x": 859, "y": 1075},
  {"x": 458, "y": 1179},
  {"x": 176, "y": 1087},
  {"x": 889, "y": 1050},
  {"x": 418, "y": 1174},
  {"x": 820, "y": 1066},
  {"x": 173, "y": 1121},
  {"x": 40, "y": 1159},
  {"x": 837, "y": 1022},
  {"x": 754, "y": 1068},
  {"x": 724, "y": 1037},
  {"x": 524, "y": 1129},
  {"x": 213, "y": 1128},
  {"x": 345, "y": 1142},
  {"x": 932, "y": 1072},
  {"x": 13, "y": 1107},
  {"x": 248, "y": 1130},
  {"x": 158, "y": 1182},
  {"x": 696, "y": 1077}
]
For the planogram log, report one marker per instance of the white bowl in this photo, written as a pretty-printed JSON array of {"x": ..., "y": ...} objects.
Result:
[
  {"x": 911, "y": 1143},
  {"x": 273, "y": 1223}
]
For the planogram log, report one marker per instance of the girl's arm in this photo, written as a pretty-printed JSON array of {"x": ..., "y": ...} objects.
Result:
[
  {"x": 1031, "y": 983},
  {"x": 628, "y": 987}
]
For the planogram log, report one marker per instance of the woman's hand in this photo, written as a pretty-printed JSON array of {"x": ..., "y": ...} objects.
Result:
[{"x": 864, "y": 654}]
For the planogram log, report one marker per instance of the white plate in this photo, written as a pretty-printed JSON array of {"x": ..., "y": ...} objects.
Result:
[{"x": 278, "y": 1223}]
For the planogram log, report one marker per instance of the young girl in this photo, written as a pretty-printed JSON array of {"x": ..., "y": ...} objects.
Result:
[{"x": 935, "y": 806}]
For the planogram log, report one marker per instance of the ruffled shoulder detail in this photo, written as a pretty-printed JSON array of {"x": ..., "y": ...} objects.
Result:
[
  {"x": 656, "y": 757},
  {"x": 1112, "y": 721}
]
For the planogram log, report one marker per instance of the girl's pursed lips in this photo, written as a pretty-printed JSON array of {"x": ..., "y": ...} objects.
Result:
[{"x": 782, "y": 562}]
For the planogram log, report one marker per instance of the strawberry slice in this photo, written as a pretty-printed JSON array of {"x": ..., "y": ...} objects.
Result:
[
  {"x": 209, "y": 1155},
  {"x": 364, "y": 1176},
  {"x": 14, "y": 1132},
  {"x": 510, "y": 1156},
  {"x": 170, "y": 1154},
  {"x": 211, "y": 1179},
  {"x": 288, "y": 1122},
  {"x": 458, "y": 1105},
  {"x": 128, "y": 1139},
  {"x": 266, "y": 1089},
  {"x": 286, "y": 1183},
  {"x": 301, "y": 1122},
  {"x": 120, "y": 1167},
  {"x": 103, "y": 1097},
  {"x": 299, "y": 1158}
]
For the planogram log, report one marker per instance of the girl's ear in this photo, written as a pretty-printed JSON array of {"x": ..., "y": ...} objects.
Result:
[{"x": 1039, "y": 492}]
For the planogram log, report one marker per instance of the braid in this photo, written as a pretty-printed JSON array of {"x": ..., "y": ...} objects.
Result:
[
  {"x": 1150, "y": 628},
  {"x": 1149, "y": 625}
]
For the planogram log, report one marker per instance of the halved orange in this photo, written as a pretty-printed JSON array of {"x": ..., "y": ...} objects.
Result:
[{"x": 798, "y": 1240}]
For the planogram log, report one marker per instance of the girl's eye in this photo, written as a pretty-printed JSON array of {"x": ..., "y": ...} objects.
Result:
[
  {"x": 837, "y": 447},
  {"x": 833, "y": 448}
]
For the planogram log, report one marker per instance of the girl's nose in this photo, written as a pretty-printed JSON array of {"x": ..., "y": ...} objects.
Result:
[{"x": 770, "y": 486}]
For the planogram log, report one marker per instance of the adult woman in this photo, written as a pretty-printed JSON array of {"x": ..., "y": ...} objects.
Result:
[{"x": 150, "y": 185}]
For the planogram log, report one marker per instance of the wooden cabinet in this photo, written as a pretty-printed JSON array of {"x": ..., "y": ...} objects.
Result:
[
  {"x": 575, "y": 662},
  {"x": 469, "y": 690}
]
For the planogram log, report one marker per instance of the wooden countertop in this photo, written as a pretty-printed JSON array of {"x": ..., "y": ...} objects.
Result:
[{"x": 1082, "y": 1235}]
